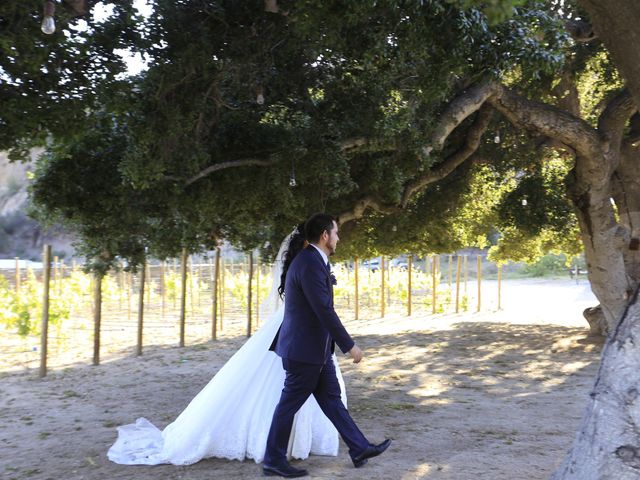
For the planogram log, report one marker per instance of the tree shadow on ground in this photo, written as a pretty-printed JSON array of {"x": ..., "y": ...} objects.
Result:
[{"x": 479, "y": 400}]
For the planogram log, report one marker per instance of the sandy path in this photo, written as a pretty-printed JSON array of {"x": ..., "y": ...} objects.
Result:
[{"x": 484, "y": 396}]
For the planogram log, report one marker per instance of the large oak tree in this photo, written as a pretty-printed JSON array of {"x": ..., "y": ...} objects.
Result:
[{"x": 423, "y": 124}]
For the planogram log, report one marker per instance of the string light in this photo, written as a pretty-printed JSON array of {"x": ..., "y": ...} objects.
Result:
[
  {"x": 260, "y": 95},
  {"x": 48, "y": 25},
  {"x": 292, "y": 178},
  {"x": 271, "y": 6}
]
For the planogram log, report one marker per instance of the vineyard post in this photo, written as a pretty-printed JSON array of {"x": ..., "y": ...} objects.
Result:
[
  {"x": 249, "y": 294},
  {"x": 382, "y": 289},
  {"x": 97, "y": 315},
  {"x": 183, "y": 293},
  {"x": 409, "y": 273},
  {"x": 214, "y": 295},
  {"x": 458, "y": 267},
  {"x": 44, "y": 330},
  {"x": 143, "y": 275}
]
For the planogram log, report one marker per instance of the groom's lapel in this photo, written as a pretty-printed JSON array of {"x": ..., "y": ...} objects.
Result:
[
  {"x": 319, "y": 258},
  {"x": 326, "y": 269}
]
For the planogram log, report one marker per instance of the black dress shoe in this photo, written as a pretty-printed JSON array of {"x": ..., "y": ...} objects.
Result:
[
  {"x": 286, "y": 471},
  {"x": 370, "y": 451}
]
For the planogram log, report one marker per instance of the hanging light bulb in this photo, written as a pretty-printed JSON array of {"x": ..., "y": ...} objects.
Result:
[
  {"x": 496, "y": 139},
  {"x": 271, "y": 6},
  {"x": 48, "y": 25},
  {"x": 260, "y": 95},
  {"x": 292, "y": 177},
  {"x": 524, "y": 202}
]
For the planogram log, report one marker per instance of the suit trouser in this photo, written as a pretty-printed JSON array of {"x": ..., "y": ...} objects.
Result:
[{"x": 302, "y": 380}]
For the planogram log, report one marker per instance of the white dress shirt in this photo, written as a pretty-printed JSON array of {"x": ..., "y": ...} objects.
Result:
[{"x": 324, "y": 255}]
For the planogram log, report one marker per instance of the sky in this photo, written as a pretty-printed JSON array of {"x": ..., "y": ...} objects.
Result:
[{"x": 102, "y": 10}]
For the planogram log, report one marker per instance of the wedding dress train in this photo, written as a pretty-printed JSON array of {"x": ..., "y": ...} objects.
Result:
[{"x": 231, "y": 416}]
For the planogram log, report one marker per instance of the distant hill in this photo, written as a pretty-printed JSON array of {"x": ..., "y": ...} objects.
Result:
[{"x": 20, "y": 236}]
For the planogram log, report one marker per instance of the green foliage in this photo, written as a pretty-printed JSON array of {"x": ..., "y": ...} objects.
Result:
[
  {"x": 22, "y": 311},
  {"x": 228, "y": 82},
  {"x": 48, "y": 82},
  {"x": 495, "y": 10},
  {"x": 549, "y": 265}
]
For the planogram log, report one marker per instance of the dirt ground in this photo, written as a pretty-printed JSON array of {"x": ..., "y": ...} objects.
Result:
[{"x": 464, "y": 397}]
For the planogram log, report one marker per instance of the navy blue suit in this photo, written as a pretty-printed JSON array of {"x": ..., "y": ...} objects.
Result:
[{"x": 305, "y": 341}]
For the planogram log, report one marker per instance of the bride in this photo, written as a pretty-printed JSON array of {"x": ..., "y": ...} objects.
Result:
[{"x": 231, "y": 416}]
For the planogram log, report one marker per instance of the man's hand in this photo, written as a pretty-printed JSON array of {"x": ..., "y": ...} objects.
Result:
[{"x": 356, "y": 354}]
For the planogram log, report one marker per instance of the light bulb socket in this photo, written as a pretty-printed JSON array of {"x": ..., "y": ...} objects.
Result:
[{"x": 49, "y": 8}]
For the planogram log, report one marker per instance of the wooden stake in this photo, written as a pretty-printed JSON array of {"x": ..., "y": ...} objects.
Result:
[
  {"x": 479, "y": 281},
  {"x": 409, "y": 265},
  {"x": 143, "y": 274},
  {"x": 183, "y": 294},
  {"x": 214, "y": 294},
  {"x": 249, "y": 294},
  {"x": 458, "y": 267},
  {"x": 190, "y": 260},
  {"x": 222, "y": 291},
  {"x": 97, "y": 316},
  {"x": 44, "y": 330},
  {"x": 382, "y": 289}
]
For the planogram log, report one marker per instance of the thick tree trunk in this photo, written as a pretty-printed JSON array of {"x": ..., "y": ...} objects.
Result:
[
  {"x": 603, "y": 241},
  {"x": 606, "y": 168},
  {"x": 616, "y": 23},
  {"x": 607, "y": 445},
  {"x": 597, "y": 323}
]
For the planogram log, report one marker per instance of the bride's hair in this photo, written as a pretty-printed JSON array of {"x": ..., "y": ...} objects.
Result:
[{"x": 296, "y": 244}]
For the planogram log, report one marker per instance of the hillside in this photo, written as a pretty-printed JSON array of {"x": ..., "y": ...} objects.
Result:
[{"x": 20, "y": 236}]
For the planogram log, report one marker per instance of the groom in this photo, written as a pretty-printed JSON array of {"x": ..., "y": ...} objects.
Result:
[{"x": 310, "y": 329}]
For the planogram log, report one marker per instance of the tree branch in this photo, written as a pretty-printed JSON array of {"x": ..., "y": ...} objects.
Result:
[
  {"x": 471, "y": 144},
  {"x": 352, "y": 143},
  {"x": 548, "y": 120},
  {"x": 459, "y": 109},
  {"x": 224, "y": 165},
  {"x": 615, "y": 116},
  {"x": 357, "y": 211}
]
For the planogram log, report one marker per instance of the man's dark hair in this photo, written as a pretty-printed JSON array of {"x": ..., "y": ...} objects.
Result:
[{"x": 316, "y": 224}]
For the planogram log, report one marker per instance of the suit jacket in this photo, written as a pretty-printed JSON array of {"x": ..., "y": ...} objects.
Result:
[{"x": 310, "y": 325}]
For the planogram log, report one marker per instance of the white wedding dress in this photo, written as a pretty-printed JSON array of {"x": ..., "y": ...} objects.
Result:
[{"x": 231, "y": 416}]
